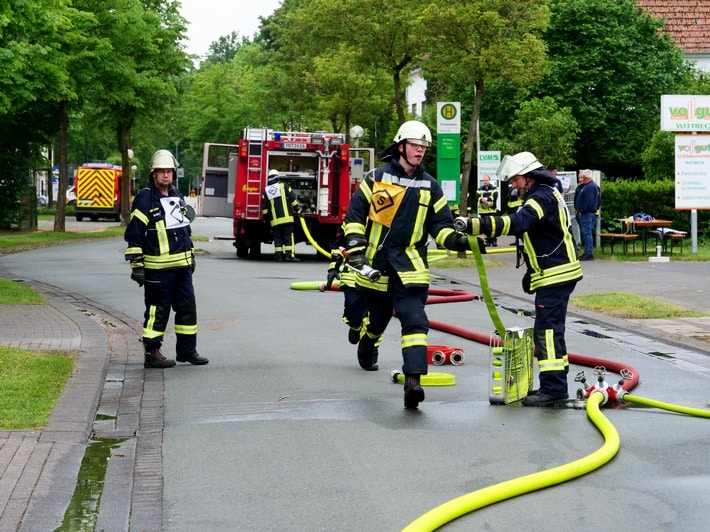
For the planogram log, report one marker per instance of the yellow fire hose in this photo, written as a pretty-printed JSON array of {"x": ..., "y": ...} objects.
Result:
[
  {"x": 475, "y": 500},
  {"x": 455, "y": 508},
  {"x": 310, "y": 238},
  {"x": 665, "y": 406}
]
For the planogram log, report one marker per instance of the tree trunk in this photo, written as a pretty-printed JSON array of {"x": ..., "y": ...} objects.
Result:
[
  {"x": 123, "y": 132},
  {"x": 60, "y": 213},
  {"x": 471, "y": 148}
]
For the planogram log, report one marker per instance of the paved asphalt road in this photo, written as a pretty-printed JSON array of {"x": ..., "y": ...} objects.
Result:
[{"x": 282, "y": 430}]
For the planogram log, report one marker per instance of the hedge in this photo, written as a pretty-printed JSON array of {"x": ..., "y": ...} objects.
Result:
[{"x": 624, "y": 198}]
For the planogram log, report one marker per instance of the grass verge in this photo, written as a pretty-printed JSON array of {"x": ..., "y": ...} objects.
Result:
[
  {"x": 14, "y": 293},
  {"x": 631, "y": 306},
  {"x": 31, "y": 384},
  {"x": 14, "y": 242}
]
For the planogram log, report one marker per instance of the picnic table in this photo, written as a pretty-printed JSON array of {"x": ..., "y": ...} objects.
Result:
[{"x": 643, "y": 227}]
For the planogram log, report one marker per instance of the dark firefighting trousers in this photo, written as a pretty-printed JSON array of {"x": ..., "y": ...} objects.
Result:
[
  {"x": 166, "y": 289},
  {"x": 549, "y": 333},
  {"x": 283, "y": 239},
  {"x": 354, "y": 306},
  {"x": 408, "y": 304}
]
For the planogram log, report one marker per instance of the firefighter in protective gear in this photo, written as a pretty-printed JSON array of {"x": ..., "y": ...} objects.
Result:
[
  {"x": 487, "y": 195},
  {"x": 553, "y": 270},
  {"x": 278, "y": 205},
  {"x": 162, "y": 258},
  {"x": 390, "y": 217}
]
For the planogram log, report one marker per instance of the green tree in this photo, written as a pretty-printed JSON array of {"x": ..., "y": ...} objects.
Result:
[
  {"x": 478, "y": 42},
  {"x": 610, "y": 64},
  {"x": 386, "y": 34},
  {"x": 141, "y": 79},
  {"x": 225, "y": 48},
  {"x": 342, "y": 90},
  {"x": 543, "y": 128}
]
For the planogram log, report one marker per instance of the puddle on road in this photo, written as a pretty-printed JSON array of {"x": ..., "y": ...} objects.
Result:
[
  {"x": 595, "y": 334},
  {"x": 83, "y": 510},
  {"x": 658, "y": 354}
]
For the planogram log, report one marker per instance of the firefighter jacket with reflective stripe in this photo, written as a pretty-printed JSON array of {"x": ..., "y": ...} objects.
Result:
[
  {"x": 491, "y": 194},
  {"x": 543, "y": 223},
  {"x": 278, "y": 203},
  {"x": 395, "y": 213},
  {"x": 159, "y": 230}
]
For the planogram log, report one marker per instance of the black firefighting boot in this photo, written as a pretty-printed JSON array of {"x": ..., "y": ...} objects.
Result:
[
  {"x": 155, "y": 359},
  {"x": 193, "y": 358},
  {"x": 367, "y": 353},
  {"x": 413, "y": 391},
  {"x": 291, "y": 258},
  {"x": 279, "y": 256}
]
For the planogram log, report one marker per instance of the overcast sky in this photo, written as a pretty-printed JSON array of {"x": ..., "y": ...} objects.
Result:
[{"x": 211, "y": 19}]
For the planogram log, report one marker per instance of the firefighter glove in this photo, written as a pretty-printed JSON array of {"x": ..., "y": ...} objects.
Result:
[
  {"x": 333, "y": 274},
  {"x": 193, "y": 263},
  {"x": 355, "y": 251},
  {"x": 456, "y": 242},
  {"x": 138, "y": 272}
]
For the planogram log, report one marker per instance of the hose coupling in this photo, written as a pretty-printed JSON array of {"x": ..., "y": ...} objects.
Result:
[
  {"x": 368, "y": 271},
  {"x": 462, "y": 223}
]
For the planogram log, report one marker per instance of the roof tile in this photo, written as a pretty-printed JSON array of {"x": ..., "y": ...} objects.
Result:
[{"x": 687, "y": 21}]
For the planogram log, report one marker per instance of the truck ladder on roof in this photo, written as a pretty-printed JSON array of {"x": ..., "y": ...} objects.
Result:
[{"x": 255, "y": 145}]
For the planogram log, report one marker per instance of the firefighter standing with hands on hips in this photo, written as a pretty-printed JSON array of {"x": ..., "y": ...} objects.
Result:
[
  {"x": 386, "y": 228},
  {"x": 552, "y": 266},
  {"x": 278, "y": 205},
  {"x": 162, "y": 259}
]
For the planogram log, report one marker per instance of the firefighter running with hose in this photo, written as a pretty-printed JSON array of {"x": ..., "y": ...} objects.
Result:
[
  {"x": 553, "y": 270},
  {"x": 278, "y": 205},
  {"x": 387, "y": 225},
  {"x": 162, "y": 258}
]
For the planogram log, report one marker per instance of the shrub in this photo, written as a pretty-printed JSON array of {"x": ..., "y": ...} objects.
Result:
[{"x": 622, "y": 198}]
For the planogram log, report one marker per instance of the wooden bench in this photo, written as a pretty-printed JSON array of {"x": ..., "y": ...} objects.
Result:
[
  {"x": 624, "y": 238},
  {"x": 672, "y": 238}
]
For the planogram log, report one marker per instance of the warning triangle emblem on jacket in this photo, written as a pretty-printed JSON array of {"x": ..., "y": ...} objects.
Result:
[{"x": 386, "y": 199}]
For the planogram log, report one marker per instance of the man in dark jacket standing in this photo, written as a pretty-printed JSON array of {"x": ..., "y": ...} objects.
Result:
[
  {"x": 587, "y": 201},
  {"x": 162, "y": 259}
]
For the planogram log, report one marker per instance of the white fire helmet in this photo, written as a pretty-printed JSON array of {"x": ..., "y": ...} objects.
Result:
[
  {"x": 518, "y": 164},
  {"x": 163, "y": 159},
  {"x": 414, "y": 132}
]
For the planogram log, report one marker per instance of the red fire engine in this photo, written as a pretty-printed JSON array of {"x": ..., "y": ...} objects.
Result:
[{"x": 321, "y": 168}]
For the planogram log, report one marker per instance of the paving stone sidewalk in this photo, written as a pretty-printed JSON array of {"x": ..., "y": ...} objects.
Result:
[{"x": 109, "y": 396}]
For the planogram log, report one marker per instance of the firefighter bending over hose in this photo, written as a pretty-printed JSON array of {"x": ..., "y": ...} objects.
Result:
[
  {"x": 162, "y": 259},
  {"x": 386, "y": 227},
  {"x": 553, "y": 270},
  {"x": 278, "y": 205}
]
